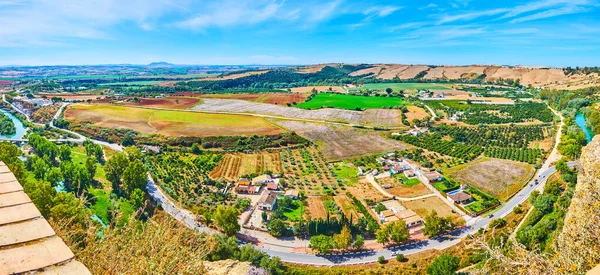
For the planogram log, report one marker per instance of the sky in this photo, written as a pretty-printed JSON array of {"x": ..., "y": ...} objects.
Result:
[{"x": 555, "y": 33}]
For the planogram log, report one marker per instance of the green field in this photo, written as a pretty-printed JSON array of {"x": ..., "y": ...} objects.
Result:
[
  {"x": 294, "y": 213},
  {"x": 348, "y": 175},
  {"x": 406, "y": 181},
  {"x": 133, "y": 83},
  {"x": 405, "y": 86},
  {"x": 350, "y": 102}
]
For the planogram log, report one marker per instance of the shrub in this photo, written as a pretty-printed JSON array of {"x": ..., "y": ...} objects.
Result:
[{"x": 381, "y": 260}]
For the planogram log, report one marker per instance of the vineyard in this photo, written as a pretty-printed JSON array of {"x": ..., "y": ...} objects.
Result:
[
  {"x": 234, "y": 166},
  {"x": 307, "y": 170},
  {"x": 184, "y": 177},
  {"x": 493, "y": 114}
]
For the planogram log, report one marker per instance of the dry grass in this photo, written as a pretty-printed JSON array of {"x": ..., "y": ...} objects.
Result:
[
  {"x": 404, "y": 191},
  {"x": 171, "y": 123},
  {"x": 491, "y": 175},
  {"x": 233, "y": 166},
  {"x": 342, "y": 142},
  {"x": 177, "y": 103},
  {"x": 270, "y": 98},
  {"x": 416, "y": 112},
  {"x": 233, "y": 75},
  {"x": 376, "y": 117},
  {"x": 159, "y": 246},
  {"x": 364, "y": 190},
  {"x": 45, "y": 114},
  {"x": 347, "y": 207},
  {"x": 424, "y": 206},
  {"x": 316, "y": 208}
]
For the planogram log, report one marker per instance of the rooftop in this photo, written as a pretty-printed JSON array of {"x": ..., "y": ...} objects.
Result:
[
  {"x": 27, "y": 241},
  {"x": 459, "y": 196}
]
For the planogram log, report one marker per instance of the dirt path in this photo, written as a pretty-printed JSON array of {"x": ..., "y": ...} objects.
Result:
[{"x": 433, "y": 115}]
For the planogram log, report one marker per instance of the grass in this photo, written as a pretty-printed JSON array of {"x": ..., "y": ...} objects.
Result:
[
  {"x": 294, "y": 213},
  {"x": 78, "y": 156},
  {"x": 405, "y": 86},
  {"x": 133, "y": 83},
  {"x": 445, "y": 186},
  {"x": 406, "y": 181},
  {"x": 348, "y": 175},
  {"x": 350, "y": 102},
  {"x": 101, "y": 205},
  {"x": 172, "y": 123}
]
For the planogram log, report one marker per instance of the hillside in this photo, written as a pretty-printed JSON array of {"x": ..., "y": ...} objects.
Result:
[
  {"x": 535, "y": 76},
  {"x": 578, "y": 245}
]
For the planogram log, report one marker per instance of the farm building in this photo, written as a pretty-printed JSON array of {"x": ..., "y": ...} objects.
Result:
[
  {"x": 151, "y": 148},
  {"x": 417, "y": 131},
  {"x": 246, "y": 189},
  {"x": 262, "y": 179},
  {"x": 294, "y": 194},
  {"x": 272, "y": 186},
  {"x": 267, "y": 201},
  {"x": 244, "y": 181},
  {"x": 459, "y": 196},
  {"x": 409, "y": 217},
  {"x": 433, "y": 176}
]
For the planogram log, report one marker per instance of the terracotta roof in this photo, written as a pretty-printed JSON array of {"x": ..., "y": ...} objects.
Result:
[
  {"x": 27, "y": 241},
  {"x": 387, "y": 213},
  {"x": 292, "y": 193},
  {"x": 460, "y": 196},
  {"x": 269, "y": 198},
  {"x": 432, "y": 175}
]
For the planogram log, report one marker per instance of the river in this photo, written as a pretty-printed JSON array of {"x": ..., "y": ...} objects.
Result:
[
  {"x": 581, "y": 122},
  {"x": 18, "y": 125}
]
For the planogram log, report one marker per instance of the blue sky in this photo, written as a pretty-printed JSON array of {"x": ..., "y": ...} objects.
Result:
[{"x": 460, "y": 32}]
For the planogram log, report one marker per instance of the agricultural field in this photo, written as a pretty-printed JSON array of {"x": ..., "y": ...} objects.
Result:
[
  {"x": 424, "y": 206},
  {"x": 350, "y": 102},
  {"x": 375, "y": 117},
  {"x": 475, "y": 114},
  {"x": 270, "y": 98},
  {"x": 435, "y": 142},
  {"x": 343, "y": 142},
  {"x": 308, "y": 89},
  {"x": 315, "y": 208},
  {"x": 493, "y": 176},
  {"x": 347, "y": 207},
  {"x": 184, "y": 177},
  {"x": 73, "y": 96},
  {"x": 133, "y": 83},
  {"x": 170, "y": 123},
  {"x": 405, "y": 86},
  {"x": 365, "y": 190},
  {"x": 45, "y": 114},
  {"x": 346, "y": 172},
  {"x": 177, "y": 103},
  {"x": 307, "y": 170},
  {"x": 404, "y": 187},
  {"x": 234, "y": 166}
]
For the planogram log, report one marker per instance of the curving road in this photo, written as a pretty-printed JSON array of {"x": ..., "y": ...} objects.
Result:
[{"x": 440, "y": 242}]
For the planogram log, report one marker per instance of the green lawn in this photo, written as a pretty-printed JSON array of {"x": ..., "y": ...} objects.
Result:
[
  {"x": 350, "y": 102},
  {"x": 101, "y": 205},
  {"x": 294, "y": 213},
  {"x": 78, "y": 156},
  {"x": 444, "y": 186},
  {"x": 406, "y": 181},
  {"x": 348, "y": 175},
  {"x": 405, "y": 86}
]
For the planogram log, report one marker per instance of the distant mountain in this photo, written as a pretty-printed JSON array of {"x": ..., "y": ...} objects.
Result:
[{"x": 160, "y": 64}]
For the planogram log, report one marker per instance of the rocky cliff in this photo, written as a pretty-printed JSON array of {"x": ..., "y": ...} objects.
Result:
[{"x": 578, "y": 246}]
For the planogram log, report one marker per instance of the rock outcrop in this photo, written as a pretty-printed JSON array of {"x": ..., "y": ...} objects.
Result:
[{"x": 578, "y": 245}]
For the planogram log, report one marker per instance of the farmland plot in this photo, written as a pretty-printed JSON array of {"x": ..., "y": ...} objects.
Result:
[
  {"x": 379, "y": 117},
  {"x": 342, "y": 142},
  {"x": 178, "y": 103},
  {"x": 307, "y": 170},
  {"x": 233, "y": 166}
]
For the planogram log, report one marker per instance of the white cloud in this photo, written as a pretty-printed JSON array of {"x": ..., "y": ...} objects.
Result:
[
  {"x": 470, "y": 16},
  {"x": 550, "y": 13},
  {"x": 381, "y": 11}
]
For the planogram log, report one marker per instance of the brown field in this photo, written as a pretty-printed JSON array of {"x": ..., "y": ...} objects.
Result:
[
  {"x": 176, "y": 103},
  {"x": 347, "y": 207},
  {"x": 307, "y": 170},
  {"x": 45, "y": 114},
  {"x": 364, "y": 190},
  {"x": 167, "y": 122},
  {"x": 490, "y": 175},
  {"x": 271, "y": 98},
  {"x": 307, "y": 90},
  {"x": 233, "y": 75},
  {"x": 233, "y": 166},
  {"x": 416, "y": 112},
  {"x": 424, "y": 206},
  {"x": 316, "y": 208},
  {"x": 377, "y": 117},
  {"x": 403, "y": 191},
  {"x": 342, "y": 142}
]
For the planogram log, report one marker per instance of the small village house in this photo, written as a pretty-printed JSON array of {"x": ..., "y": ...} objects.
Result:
[
  {"x": 267, "y": 201},
  {"x": 460, "y": 197}
]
